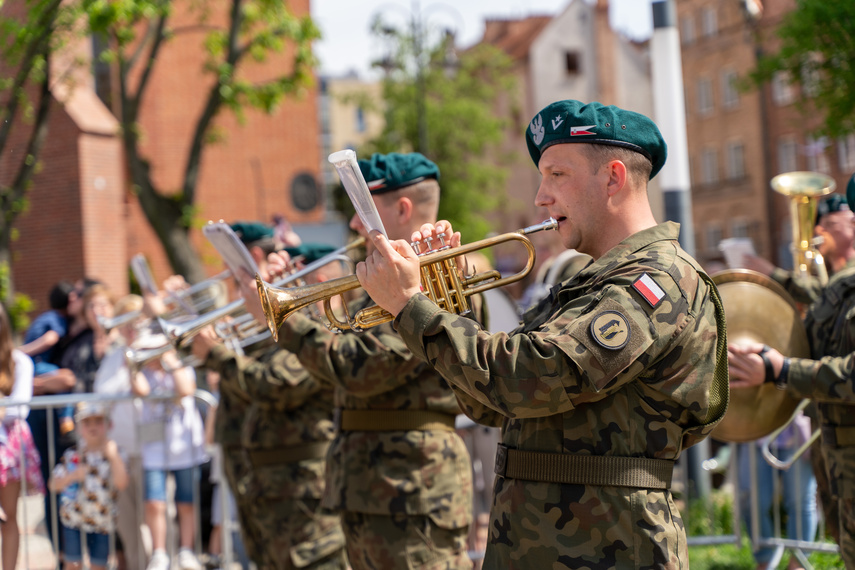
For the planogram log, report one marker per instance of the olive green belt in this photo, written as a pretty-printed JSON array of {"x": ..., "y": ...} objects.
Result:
[
  {"x": 838, "y": 436},
  {"x": 394, "y": 420},
  {"x": 606, "y": 471},
  {"x": 280, "y": 455}
]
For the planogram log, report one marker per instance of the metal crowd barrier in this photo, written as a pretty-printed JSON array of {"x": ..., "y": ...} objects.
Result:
[
  {"x": 684, "y": 482},
  {"x": 204, "y": 401}
]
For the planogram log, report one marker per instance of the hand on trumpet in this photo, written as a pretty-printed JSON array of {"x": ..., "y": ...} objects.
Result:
[
  {"x": 390, "y": 274},
  {"x": 204, "y": 342},
  {"x": 747, "y": 366}
]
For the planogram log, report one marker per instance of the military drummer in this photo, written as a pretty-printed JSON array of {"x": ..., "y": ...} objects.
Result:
[{"x": 608, "y": 379}]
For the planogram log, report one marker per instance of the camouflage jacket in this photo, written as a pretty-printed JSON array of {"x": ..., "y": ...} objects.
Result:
[
  {"x": 804, "y": 289},
  {"x": 602, "y": 366},
  {"x": 829, "y": 380},
  {"x": 385, "y": 472},
  {"x": 288, "y": 408}
]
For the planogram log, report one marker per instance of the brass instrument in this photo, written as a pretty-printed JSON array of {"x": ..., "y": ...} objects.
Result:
[
  {"x": 759, "y": 310},
  {"x": 804, "y": 190},
  {"x": 181, "y": 331},
  {"x": 440, "y": 280}
]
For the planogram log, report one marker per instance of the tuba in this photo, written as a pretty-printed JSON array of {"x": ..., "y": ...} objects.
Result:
[{"x": 757, "y": 309}]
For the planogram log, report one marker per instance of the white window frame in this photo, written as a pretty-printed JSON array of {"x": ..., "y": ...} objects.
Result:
[
  {"x": 783, "y": 90},
  {"x": 709, "y": 166},
  {"x": 687, "y": 30},
  {"x": 816, "y": 155},
  {"x": 788, "y": 154},
  {"x": 706, "y": 105},
  {"x": 735, "y": 160},
  {"x": 846, "y": 153},
  {"x": 709, "y": 22},
  {"x": 729, "y": 93}
]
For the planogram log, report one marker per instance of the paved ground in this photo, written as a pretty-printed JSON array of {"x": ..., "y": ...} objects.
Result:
[{"x": 36, "y": 551}]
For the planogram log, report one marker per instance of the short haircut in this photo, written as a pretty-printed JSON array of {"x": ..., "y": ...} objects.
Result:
[
  {"x": 424, "y": 196},
  {"x": 58, "y": 297},
  {"x": 128, "y": 304},
  {"x": 638, "y": 166}
]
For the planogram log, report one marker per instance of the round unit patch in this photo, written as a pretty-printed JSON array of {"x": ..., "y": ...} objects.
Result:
[{"x": 610, "y": 330}]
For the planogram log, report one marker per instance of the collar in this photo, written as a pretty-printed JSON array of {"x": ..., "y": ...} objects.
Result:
[{"x": 666, "y": 231}]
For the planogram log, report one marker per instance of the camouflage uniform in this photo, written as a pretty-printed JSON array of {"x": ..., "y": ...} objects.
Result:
[
  {"x": 596, "y": 369},
  {"x": 828, "y": 380},
  {"x": 804, "y": 289},
  {"x": 278, "y": 495},
  {"x": 405, "y": 495}
]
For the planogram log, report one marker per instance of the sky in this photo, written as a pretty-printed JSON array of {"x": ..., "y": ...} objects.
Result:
[{"x": 347, "y": 43}]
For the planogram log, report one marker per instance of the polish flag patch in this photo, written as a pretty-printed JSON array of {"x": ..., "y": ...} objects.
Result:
[{"x": 649, "y": 289}]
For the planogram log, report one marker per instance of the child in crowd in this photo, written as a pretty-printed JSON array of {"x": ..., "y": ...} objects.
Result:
[
  {"x": 89, "y": 477},
  {"x": 44, "y": 334}
]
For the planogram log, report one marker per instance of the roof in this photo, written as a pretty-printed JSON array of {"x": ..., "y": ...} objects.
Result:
[{"x": 514, "y": 37}]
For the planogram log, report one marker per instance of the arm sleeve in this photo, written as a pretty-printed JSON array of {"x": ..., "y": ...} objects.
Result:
[
  {"x": 803, "y": 288},
  {"x": 525, "y": 374},
  {"x": 364, "y": 364},
  {"x": 829, "y": 379},
  {"x": 280, "y": 382}
]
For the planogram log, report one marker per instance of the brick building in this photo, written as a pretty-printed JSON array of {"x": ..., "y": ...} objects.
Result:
[
  {"x": 739, "y": 140},
  {"x": 83, "y": 218}
]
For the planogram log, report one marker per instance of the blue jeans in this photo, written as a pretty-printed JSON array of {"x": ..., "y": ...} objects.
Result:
[
  {"x": 155, "y": 484},
  {"x": 98, "y": 546},
  {"x": 798, "y": 489}
]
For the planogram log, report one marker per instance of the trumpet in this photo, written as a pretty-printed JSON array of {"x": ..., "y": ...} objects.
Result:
[
  {"x": 181, "y": 332},
  {"x": 440, "y": 279}
]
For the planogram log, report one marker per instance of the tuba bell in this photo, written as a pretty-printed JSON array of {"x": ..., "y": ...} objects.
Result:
[{"x": 757, "y": 309}]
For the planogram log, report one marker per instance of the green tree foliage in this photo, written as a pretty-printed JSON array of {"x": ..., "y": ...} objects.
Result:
[
  {"x": 817, "y": 50},
  {"x": 455, "y": 96},
  {"x": 26, "y": 41},
  {"x": 134, "y": 33}
]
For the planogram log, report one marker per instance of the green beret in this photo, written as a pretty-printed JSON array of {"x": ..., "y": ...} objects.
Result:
[
  {"x": 850, "y": 193},
  {"x": 832, "y": 203},
  {"x": 250, "y": 232},
  {"x": 310, "y": 251},
  {"x": 573, "y": 121},
  {"x": 388, "y": 172}
]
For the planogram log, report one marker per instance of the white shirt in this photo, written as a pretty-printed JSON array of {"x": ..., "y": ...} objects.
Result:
[
  {"x": 22, "y": 390},
  {"x": 114, "y": 378}
]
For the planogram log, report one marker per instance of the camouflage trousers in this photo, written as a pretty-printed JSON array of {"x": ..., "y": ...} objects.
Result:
[
  {"x": 846, "y": 509},
  {"x": 403, "y": 542},
  {"x": 282, "y": 532}
]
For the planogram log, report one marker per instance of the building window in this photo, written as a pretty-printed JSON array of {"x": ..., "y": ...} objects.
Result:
[
  {"x": 687, "y": 30},
  {"x": 709, "y": 166},
  {"x": 360, "y": 120},
  {"x": 709, "y": 22},
  {"x": 729, "y": 94},
  {"x": 817, "y": 158},
  {"x": 739, "y": 228},
  {"x": 705, "y": 96},
  {"x": 735, "y": 160},
  {"x": 783, "y": 92},
  {"x": 787, "y": 155},
  {"x": 712, "y": 238},
  {"x": 571, "y": 62},
  {"x": 846, "y": 153},
  {"x": 810, "y": 74}
]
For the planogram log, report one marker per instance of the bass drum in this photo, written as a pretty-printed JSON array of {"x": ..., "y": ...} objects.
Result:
[{"x": 757, "y": 309}]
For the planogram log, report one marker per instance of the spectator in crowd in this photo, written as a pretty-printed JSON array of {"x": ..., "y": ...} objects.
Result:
[
  {"x": 16, "y": 441},
  {"x": 48, "y": 328},
  {"x": 172, "y": 443},
  {"x": 88, "y": 477},
  {"x": 113, "y": 377}
]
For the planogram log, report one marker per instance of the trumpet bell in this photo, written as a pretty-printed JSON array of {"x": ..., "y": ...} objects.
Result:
[{"x": 758, "y": 309}]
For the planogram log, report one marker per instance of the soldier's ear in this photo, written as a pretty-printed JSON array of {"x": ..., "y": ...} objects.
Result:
[{"x": 404, "y": 209}]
